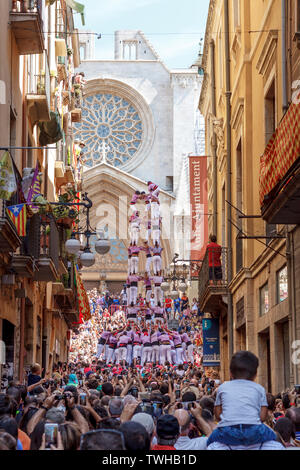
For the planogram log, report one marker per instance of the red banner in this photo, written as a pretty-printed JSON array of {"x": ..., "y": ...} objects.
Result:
[{"x": 199, "y": 208}]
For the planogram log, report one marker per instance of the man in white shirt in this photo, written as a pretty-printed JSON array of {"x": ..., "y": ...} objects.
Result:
[{"x": 184, "y": 420}]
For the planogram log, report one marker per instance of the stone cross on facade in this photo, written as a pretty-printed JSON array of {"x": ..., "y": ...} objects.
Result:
[{"x": 104, "y": 149}]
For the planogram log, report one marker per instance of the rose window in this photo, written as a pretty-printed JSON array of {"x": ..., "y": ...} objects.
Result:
[{"x": 113, "y": 120}]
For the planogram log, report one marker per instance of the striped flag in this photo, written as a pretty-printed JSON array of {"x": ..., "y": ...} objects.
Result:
[
  {"x": 18, "y": 216},
  {"x": 35, "y": 189}
]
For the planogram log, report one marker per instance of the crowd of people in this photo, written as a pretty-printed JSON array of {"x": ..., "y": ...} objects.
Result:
[
  {"x": 92, "y": 406},
  {"x": 110, "y": 336}
]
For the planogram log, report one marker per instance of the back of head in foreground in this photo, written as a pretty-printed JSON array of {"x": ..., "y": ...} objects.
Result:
[
  {"x": 243, "y": 365},
  {"x": 102, "y": 439}
]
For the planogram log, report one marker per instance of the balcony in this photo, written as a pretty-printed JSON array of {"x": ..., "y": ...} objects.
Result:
[
  {"x": 26, "y": 20},
  {"x": 9, "y": 239},
  {"x": 39, "y": 96},
  {"x": 280, "y": 171},
  {"x": 213, "y": 283},
  {"x": 43, "y": 245},
  {"x": 281, "y": 206}
]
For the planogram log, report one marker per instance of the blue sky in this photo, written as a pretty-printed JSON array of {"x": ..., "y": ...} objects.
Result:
[{"x": 155, "y": 18}]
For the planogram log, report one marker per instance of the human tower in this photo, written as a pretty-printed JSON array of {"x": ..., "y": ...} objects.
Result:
[
  {"x": 148, "y": 340},
  {"x": 152, "y": 277}
]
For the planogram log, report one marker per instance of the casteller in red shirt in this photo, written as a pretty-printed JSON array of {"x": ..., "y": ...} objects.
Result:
[{"x": 168, "y": 302}]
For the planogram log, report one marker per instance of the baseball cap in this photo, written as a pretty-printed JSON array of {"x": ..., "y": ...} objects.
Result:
[{"x": 167, "y": 427}]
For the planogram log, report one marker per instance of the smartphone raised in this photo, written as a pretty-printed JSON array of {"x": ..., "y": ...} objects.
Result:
[
  {"x": 82, "y": 398},
  {"x": 51, "y": 432}
]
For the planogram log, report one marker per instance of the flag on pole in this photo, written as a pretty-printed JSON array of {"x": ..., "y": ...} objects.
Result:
[
  {"x": 83, "y": 301},
  {"x": 34, "y": 190},
  {"x": 8, "y": 183},
  {"x": 18, "y": 216}
]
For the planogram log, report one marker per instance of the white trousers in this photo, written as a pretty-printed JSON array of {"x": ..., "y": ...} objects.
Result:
[
  {"x": 135, "y": 264},
  {"x": 100, "y": 348},
  {"x": 165, "y": 353},
  {"x": 158, "y": 294},
  {"x": 137, "y": 351},
  {"x": 155, "y": 354},
  {"x": 129, "y": 354},
  {"x": 156, "y": 264},
  {"x": 190, "y": 355},
  {"x": 146, "y": 355},
  {"x": 111, "y": 355},
  {"x": 148, "y": 264},
  {"x": 134, "y": 233},
  {"x": 133, "y": 295},
  {"x": 184, "y": 356},
  {"x": 179, "y": 356},
  {"x": 156, "y": 236},
  {"x": 173, "y": 356},
  {"x": 155, "y": 212},
  {"x": 148, "y": 234},
  {"x": 128, "y": 295},
  {"x": 148, "y": 294},
  {"x": 121, "y": 354}
]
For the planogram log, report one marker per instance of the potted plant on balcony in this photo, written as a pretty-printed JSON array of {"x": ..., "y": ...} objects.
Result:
[
  {"x": 66, "y": 215},
  {"x": 45, "y": 238}
]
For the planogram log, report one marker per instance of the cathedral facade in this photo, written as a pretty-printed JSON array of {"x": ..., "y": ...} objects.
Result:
[{"x": 139, "y": 123}]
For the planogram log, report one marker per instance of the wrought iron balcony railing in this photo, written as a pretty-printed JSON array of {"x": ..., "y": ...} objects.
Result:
[{"x": 213, "y": 275}]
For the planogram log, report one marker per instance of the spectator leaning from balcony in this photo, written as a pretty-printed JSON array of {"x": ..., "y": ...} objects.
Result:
[{"x": 214, "y": 252}]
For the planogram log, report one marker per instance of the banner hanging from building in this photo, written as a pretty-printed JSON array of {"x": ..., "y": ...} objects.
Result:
[
  {"x": 211, "y": 342},
  {"x": 199, "y": 208}
]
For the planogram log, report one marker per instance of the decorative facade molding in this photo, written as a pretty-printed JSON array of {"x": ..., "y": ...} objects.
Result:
[
  {"x": 185, "y": 80},
  {"x": 237, "y": 114},
  {"x": 218, "y": 129},
  {"x": 267, "y": 51},
  {"x": 208, "y": 33}
]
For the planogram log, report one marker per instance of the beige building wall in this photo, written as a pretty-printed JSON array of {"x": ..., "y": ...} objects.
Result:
[{"x": 256, "y": 110}]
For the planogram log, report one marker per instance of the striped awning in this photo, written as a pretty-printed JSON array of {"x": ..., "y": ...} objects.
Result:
[{"x": 281, "y": 152}]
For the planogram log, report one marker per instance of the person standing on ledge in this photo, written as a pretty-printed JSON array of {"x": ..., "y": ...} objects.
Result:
[{"x": 214, "y": 260}]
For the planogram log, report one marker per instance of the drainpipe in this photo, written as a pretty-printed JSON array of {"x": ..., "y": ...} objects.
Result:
[
  {"x": 214, "y": 139},
  {"x": 228, "y": 179},
  {"x": 290, "y": 255},
  {"x": 283, "y": 55}
]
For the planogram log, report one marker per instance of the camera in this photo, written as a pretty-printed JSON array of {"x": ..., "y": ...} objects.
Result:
[
  {"x": 187, "y": 405},
  {"x": 297, "y": 389},
  {"x": 177, "y": 394},
  {"x": 134, "y": 392}
]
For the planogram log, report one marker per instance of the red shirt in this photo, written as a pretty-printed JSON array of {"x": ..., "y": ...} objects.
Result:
[
  {"x": 214, "y": 254},
  {"x": 168, "y": 302},
  {"x": 158, "y": 447}
]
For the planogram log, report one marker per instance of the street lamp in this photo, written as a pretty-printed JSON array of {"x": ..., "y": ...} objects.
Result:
[
  {"x": 102, "y": 245},
  {"x": 87, "y": 258},
  {"x": 73, "y": 246}
]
